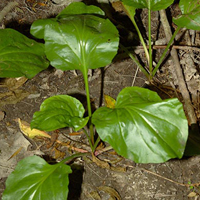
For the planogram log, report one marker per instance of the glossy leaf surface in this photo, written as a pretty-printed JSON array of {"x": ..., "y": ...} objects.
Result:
[
  {"x": 190, "y": 17},
  {"x": 78, "y": 41},
  {"x": 35, "y": 179},
  {"x": 80, "y": 8},
  {"x": 20, "y": 56},
  {"x": 58, "y": 112},
  {"x": 150, "y": 4},
  {"x": 142, "y": 127}
]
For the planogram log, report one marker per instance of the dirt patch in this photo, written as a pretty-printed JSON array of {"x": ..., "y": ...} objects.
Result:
[{"x": 89, "y": 181}]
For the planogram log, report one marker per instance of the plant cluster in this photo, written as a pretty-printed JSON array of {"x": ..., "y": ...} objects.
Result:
[{"x": 139, "y": 125}]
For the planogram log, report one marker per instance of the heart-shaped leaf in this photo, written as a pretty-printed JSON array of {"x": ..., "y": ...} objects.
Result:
[
  {"x": 78, "y": 41},
  {"x": 190, "y": 17},
  {"x": 150, "y": 4},
  {"x": 38, "y": 27},
  {"x": 20, "y": 56},
  {"x": 142, "y": 127},
  {"x": 35, "y": 179},
  {"x": 58, "y": 112},
  {"x": 78, "y": 8}
]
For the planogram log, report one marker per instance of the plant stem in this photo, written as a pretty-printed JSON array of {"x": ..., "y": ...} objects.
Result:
[
  {"x": 85, "y": 75},
  {"x": 150, "y": 48},
  {"x": 72, "y": 157},
  {"x": 141, "y": 39},
  {"x": 131, "y": 17},
  {"x": 96, "y": 143},
  {"x": 90, "y": 143},
  {"x": 136, "y": 61},
  {"x": 165, "y": 51}
]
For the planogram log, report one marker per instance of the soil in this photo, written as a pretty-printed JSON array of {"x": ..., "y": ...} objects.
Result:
[{"x": 126, "y": 180}]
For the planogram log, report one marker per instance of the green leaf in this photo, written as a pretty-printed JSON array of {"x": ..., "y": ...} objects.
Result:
[
  {"x": 130, "y": 10},
  {"x": 20, "y": 56},
  {"x": 38, "y": 27},
  {"x": 78, "y": 8},
  {"x": 190, "y": 17},
  {"x": 78, "y": 41},
  {"x": 58, "y": 112},
  {"x": 142, "y": 127},
  {"x": 150, "y": 4},
  {"x": 35, "y": 179}
]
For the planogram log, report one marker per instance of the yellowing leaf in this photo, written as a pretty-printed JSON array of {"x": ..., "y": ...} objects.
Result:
[
  {"x": 109, "y": 101},
  {"x": 31, "y": 133}
]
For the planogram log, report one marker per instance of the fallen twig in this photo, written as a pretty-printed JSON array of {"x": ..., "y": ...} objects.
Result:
[
  {"x": 182, "y": 85},
  {"x": 7, "y": 9},
  {"x": 189, "y": 48},
  {"x": 167, "y": 179}
]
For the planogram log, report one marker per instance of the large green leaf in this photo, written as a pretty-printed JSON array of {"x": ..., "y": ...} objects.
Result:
[
  {"x": 142, "y": 127},
  {"x": 190, "y": 17},
  {"x": 150, "y": 4},
  {"x": 19, "y": 55},
  {"x": 78, "y": 8},
  {"x": 58, "y": 112},
  {"x": 78, "y": 41},
  {"x": 35, "y": 179},
  {"x": 38, "y": 28}
]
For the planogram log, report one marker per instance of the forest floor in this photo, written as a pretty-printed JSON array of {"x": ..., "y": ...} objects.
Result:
[{"x": 126, "y": 180}]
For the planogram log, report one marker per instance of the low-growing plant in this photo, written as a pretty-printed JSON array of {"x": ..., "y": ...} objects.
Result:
[
  {"x": 189, "y": 19},
  {"x": 139, "y": 126}
]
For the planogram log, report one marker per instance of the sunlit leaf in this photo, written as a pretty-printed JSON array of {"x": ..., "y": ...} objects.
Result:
[
  {"x": 150, "y": 4},
  {"x": 81, "y": 8},
  {"x": 79, "y": 41},
  {"x": 19, "y": 55},
  {"x": 142, "y": 127},
  {"x": 190, "y": 17},
  {"x": 58, "y": 112},
  {"x": 35, "y": 179}
]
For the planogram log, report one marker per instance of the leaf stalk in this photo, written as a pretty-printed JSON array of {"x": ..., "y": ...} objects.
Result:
[
  {"x": 131, "y": 17},
  {"x": 165, "y": 51},
  {"x": 85, "y": 76},
  {"x": 150, "y": 47}
]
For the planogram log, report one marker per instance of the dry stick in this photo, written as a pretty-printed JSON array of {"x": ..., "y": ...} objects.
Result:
[
  {"x": 189, "y": 48},
  {"x": 167, "y": 179},
  {"x": 7, "y": 9},
  {"x": 182, "y": 85}
]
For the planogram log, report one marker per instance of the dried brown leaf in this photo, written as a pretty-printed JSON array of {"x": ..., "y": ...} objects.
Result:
[
  {"x": 111, "y": 191},
  {"x": 192, "y": 194},
  {"x": 13, "y": 83},
  {"x": 94, "y": 195}
]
